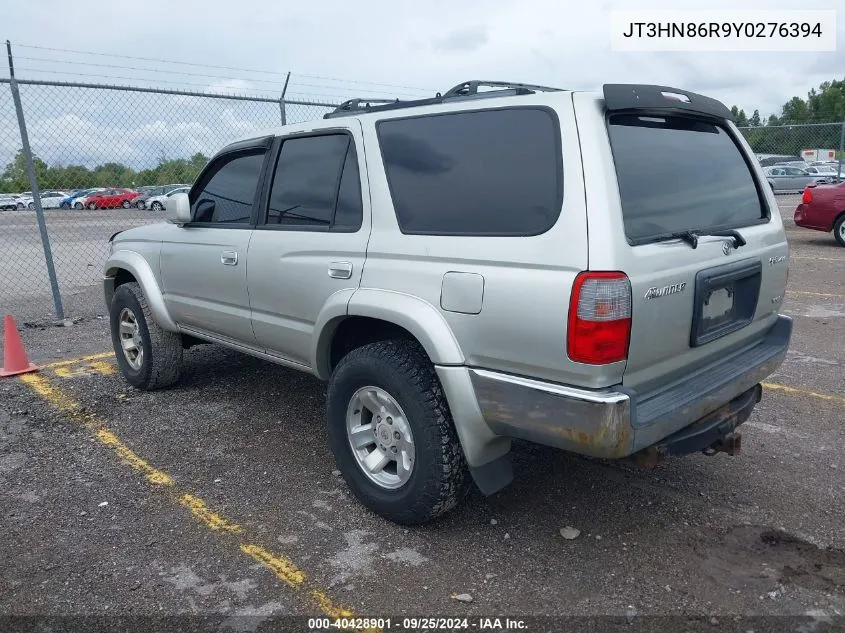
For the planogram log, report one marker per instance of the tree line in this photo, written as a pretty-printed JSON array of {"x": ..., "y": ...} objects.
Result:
[
  {"x": 784, "y": 134},
  {"x": 13, "y": 179}
]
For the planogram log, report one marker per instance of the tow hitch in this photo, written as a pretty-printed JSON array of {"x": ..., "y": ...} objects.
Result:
[
  {"x": 730, "y": 444},
  {"x": 712, "y": 434}
]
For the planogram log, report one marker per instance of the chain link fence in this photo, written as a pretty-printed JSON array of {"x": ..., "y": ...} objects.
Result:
[
  {"x": 811, "y": 142},
  {"x": 104, "y": 157}
]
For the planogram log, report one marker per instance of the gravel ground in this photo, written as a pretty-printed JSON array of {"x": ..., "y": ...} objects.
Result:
[{"x": 707, "y": 538}]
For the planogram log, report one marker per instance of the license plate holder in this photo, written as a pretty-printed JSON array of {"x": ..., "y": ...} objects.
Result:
[{"x": 725, "y": 300}]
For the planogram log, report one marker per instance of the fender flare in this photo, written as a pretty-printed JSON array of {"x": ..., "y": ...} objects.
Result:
[
  {"x": 139, "y": 268},
  {"x": 416, "y": 315}
]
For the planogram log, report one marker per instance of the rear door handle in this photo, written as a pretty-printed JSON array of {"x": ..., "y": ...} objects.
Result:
[
  {"x": 229, "y": 258},
  {"x": 340, "y": 270}
]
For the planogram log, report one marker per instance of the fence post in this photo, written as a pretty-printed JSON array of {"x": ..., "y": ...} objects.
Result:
[
  {"x": 282, "y": 100},
  {"x": 841, "y": 150},
  {"x": 33, "y": 183}
]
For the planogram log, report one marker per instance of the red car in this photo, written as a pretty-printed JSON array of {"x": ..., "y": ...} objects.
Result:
[
  {"x": 111, "y": 198},
  {"x": 823, "y": 208}
]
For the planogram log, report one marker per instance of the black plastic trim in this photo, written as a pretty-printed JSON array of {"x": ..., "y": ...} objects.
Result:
[
  {"x": 650, "y": 98},
  {"x": 748, "y": 272}
]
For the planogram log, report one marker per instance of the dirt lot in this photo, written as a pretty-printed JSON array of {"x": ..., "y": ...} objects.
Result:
[{"x": 216, "y": 501}]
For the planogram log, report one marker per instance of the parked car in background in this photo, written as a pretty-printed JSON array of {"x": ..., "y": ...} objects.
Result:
[
  {"x": 828, "y": 172},
  {"x": 52, "y": 199},
  {"x": 786, "y": 179},
  {"x": 158, "y": 203},
  {"x": 822, "y": 208},
  {"x": 8, "y": 201},
  {"x": 25, "y": 201},
  {"x": 111, "y": 198},
  {"x": 142, "y": 201},
  {"x": 77, "y": 197}
]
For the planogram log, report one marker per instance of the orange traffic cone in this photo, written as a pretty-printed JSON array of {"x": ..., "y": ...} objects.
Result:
[{"x": 15, "y": 360}]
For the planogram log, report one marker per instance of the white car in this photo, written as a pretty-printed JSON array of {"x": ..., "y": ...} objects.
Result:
[
  {"x": 52, "y": 199},
  {"x": 8, "y": 201},
  {"x": 157, "y": 203}
]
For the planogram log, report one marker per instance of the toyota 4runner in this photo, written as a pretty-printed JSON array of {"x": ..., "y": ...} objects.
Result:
[{"x": 597, "y": 272}]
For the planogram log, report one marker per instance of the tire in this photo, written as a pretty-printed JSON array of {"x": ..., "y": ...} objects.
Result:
[
  {"x": 92, "y": 206},
  {"x": 438, "y": 479},
  {"x": 160, "y": 361},
  {"x": 20, "y": 205},
  {"x": 78, "y": 206},
  {"x": 65, "y": 205},
  {"x": 839, "y": 230},
  {"x": 141, "y": 205},
  {"x": 31, "y": 206},
  {"x": 126, "y": 204},
  {"x": 156, "y": 206}
]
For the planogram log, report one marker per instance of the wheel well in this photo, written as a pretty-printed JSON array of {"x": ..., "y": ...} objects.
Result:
[
  {"x": 354, "y": 332},
  {"x": 123, "y": 276}
]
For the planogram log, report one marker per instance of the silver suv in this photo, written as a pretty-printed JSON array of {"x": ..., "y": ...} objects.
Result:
[{"x": 595, "y": 272}]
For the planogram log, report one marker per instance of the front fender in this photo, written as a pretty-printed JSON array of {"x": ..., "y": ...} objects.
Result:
[{"x": 139, "y": 268}]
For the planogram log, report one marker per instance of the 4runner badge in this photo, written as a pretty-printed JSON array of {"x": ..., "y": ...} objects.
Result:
[{"x": 671, "y": 289}]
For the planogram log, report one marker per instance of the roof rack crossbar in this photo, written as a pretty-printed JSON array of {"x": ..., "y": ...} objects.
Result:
[
  {"x": 358, "y": 105},
  {"x": 465, "y": 90},
  {"x": 471, "y": 88}
]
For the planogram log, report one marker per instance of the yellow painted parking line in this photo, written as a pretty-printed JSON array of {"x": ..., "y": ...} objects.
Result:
[
  {"x": 210, "y": 518},
  {"x": 814, "y": 294},
  {"x": 86, "y": 369},
  {"x": 78, "y": 360},
  {"x": 804, "y": 392},
  {"x": 282, "y": 567}
]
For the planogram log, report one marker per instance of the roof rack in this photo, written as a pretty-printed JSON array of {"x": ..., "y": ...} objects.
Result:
[
  {"x": 350, "y": 106},
  {"x": 469, "y": 88},
  {"x": 465, "y": 90}
]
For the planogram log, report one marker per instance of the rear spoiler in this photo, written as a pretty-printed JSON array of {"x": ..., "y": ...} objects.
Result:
[{"x": 662, "y": 99}]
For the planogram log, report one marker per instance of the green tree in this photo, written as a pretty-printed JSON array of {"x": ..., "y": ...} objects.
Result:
[{"x": 14, "y": 177}]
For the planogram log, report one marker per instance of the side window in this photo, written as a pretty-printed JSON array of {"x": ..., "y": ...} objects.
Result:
[
  {"x": 488, "y": 172},
  {"x": 316, "y": 184},
  {"x": 227, "y": 192}
]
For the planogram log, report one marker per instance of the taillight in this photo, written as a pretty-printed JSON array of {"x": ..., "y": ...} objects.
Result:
[
  {"x": 807, "y": 198},
  {"x": 599, "y": 318}
]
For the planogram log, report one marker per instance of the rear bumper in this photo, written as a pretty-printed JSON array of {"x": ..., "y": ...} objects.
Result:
[
  {"x": 615, "y": 423},
  {"x": 800, "y": 219}
]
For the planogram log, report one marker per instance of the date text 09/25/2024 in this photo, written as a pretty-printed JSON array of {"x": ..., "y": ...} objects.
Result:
[{"x": 417, "y": 624}]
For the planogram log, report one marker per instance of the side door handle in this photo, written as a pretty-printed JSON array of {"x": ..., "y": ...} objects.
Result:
[
  {"x": 340, "y": 270},
  {"x": 229, "y": 258}
]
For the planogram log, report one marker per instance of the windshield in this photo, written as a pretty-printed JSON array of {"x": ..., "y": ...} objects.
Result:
[{"x": 680, "y": 174}]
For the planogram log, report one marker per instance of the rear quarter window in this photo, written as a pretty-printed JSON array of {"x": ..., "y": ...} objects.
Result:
[
  {"x": 681, "y": 174},
  {"x": 485, "y": 172}
]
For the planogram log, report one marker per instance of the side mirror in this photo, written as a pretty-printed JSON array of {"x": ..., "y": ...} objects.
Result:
[{"x": 178, "y": 208}]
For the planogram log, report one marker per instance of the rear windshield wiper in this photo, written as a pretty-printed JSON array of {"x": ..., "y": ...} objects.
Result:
[
  {"x": 738, "y": 239},
  {"x": 688, "y": 236}
]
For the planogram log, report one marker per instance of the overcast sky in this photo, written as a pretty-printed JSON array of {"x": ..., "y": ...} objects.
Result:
[{"x": 429, "y": 44}]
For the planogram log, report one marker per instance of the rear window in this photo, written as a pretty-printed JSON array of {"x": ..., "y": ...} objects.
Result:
[
  {"x": 486, "y": 172},
  {"x": 680, "y": 174}
]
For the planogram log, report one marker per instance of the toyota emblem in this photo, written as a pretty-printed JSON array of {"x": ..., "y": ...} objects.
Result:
[{"x": 726, "y": 248}]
